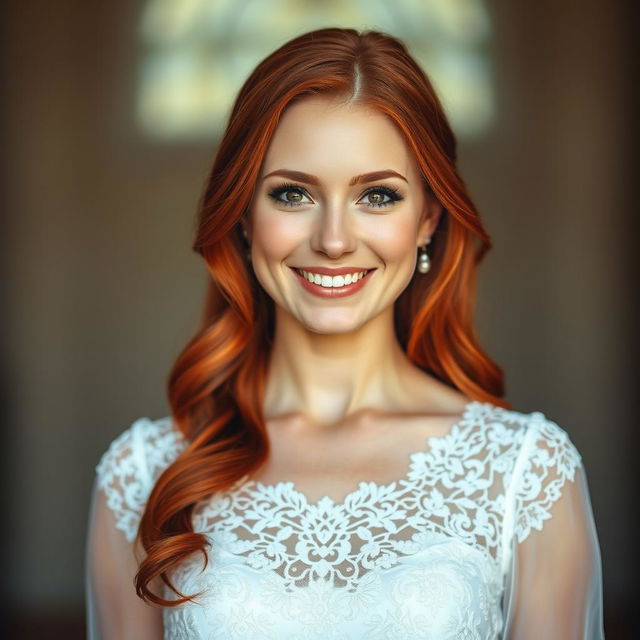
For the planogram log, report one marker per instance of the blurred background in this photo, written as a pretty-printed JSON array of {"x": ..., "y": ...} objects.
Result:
[{"x": 110, "y": 120}]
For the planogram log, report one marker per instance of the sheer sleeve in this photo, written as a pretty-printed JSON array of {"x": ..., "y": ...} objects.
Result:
[
  {"x": 553, "y": 586},
  {"x": 124, "y": 478},
  {"x": 114, "y": 611}
]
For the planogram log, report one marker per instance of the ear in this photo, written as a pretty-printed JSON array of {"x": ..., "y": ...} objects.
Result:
[{"x": 429, "y": 220}]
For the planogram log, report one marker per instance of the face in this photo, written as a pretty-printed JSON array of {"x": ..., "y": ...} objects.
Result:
[{"x": 339, "y": 195}]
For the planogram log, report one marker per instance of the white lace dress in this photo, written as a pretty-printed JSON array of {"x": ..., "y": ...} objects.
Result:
[{"x": 488, "y": 535}]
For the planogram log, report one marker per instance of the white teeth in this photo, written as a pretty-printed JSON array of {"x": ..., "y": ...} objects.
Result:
[{"x": 335, "y": 281}]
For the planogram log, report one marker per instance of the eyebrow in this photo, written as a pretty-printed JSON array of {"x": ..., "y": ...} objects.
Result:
[{"x": 307, "y": 178}]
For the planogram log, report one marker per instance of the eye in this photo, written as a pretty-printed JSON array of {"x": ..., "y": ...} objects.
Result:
[
  {"x": 376, "y": 196},
  {"x": 290, "y": 195}
]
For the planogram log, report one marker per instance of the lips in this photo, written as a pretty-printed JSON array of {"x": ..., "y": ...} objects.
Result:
[{"x": 333, "y": 292}]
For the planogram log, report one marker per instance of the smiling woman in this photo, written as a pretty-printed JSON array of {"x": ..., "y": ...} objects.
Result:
[{"x": 339, "y": 460}]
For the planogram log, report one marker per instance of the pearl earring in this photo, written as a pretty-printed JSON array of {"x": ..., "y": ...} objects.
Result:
[{"x": 423, "y": 259}]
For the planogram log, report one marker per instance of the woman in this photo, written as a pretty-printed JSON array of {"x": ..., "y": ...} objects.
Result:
[{"x": 338, "y": 462}]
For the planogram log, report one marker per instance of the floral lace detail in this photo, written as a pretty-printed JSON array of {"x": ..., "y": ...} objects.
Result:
[
  {"x": 408, "y": 602},
  {"x": 553, "y": 461},
  {"x": 457, "y": 487},
  {"x": 132, "y": 463},
  {"x": 421, "y": 557}
]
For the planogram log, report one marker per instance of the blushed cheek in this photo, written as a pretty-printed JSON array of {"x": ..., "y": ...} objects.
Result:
[
  {"x": 275, "y": 235},
  {"x": 395, "y": 242}
]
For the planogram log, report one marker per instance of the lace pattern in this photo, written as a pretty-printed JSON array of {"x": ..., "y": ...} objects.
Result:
[
  {"x": 388, "y": 559},
  {"x": 457, "y": 487},
  {"x": 450, "y": 487},
  {"x": 554, "y": 460},
  {"x": 132, "y": 463}
]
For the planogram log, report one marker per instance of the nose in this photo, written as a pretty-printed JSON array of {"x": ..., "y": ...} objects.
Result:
[{"x": 333, "y": 234}]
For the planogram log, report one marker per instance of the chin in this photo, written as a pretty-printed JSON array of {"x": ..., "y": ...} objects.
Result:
[{"x": 332, "y": 326}]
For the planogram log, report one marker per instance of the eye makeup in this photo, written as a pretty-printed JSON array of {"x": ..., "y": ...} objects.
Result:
[{"x": 390, "y": 193}]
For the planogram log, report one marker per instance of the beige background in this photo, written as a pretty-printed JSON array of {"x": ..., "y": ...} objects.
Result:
[{"x": 101, "y": 288}]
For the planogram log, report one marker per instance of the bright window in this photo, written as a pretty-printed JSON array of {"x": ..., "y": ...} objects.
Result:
[{"x": 197, "y": 53}]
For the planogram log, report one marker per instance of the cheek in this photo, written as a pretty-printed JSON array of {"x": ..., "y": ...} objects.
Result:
[
  {"x": 394, "y": 238},
  {"x": 275, "y": 234}
]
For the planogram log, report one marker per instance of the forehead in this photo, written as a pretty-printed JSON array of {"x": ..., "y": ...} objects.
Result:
[{"x": 327, "y": 137}]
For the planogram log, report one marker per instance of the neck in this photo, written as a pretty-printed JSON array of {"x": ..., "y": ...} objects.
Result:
[{"x": 328, "y": 377}]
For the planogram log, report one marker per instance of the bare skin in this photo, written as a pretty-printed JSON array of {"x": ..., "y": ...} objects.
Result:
[{"x": 343, "y": 402}]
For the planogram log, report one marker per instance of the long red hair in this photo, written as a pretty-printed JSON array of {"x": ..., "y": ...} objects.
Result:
[{"x": 217, "y": 383}]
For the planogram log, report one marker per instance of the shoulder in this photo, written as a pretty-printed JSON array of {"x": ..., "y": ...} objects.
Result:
[
  {"x": 540, "y": 442},
  {"x": 543, "y": 460},
  {"x": 132, "y": 463},
  {"x": 143, "y": 450}
]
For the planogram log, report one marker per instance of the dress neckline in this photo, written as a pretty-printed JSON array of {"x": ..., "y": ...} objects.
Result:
[{"x": 290, "y": 487}]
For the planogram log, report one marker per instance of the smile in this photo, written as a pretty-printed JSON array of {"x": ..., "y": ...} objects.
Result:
[{"x": 331, "y": 286}]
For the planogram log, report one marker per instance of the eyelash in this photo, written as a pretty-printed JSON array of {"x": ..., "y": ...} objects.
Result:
[{"x": 393, "y": 195}]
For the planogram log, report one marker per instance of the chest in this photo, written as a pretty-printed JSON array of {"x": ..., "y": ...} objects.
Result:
[
  {"x": 333, "y": 464},
  {"x": 417, "y": 557},
  {"x": 432, "y": 586}
]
